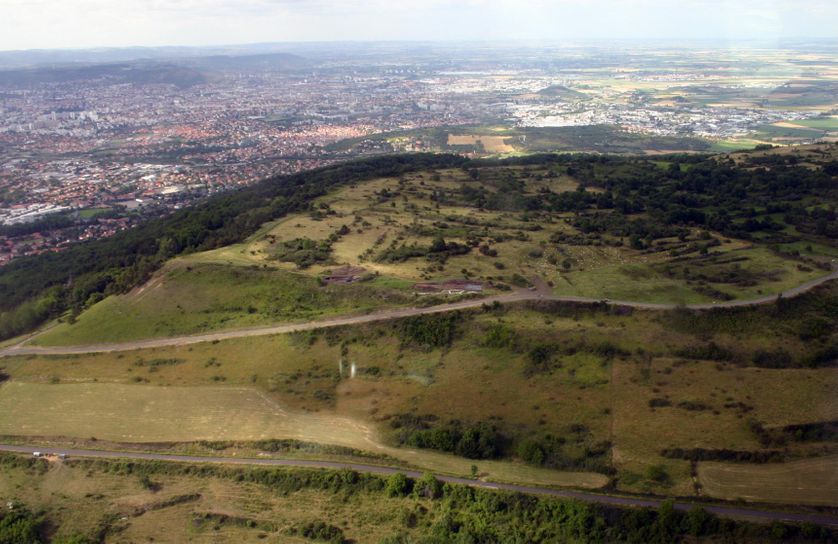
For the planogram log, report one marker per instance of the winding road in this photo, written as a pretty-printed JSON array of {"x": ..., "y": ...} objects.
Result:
[
  {"x": 735, "y": 512},
  {"x": 383, "y": 315}
]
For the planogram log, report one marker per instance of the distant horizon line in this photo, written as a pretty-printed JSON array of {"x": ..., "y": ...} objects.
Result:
[{"x": 506, "y": 41}]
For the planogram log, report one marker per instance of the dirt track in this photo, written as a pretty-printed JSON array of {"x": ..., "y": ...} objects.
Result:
[{"x": 384, "y": 315}]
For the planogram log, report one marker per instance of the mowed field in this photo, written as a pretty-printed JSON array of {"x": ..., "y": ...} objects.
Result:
[
  {"x": 150, "y": 413},
  {"x": 808, "y": 481},
  {"x": 490, "y": 144},
  {"x": 778, "y": 397},
  {"x": 146, "y": 413},
  {"x": 825, "y": 123}
]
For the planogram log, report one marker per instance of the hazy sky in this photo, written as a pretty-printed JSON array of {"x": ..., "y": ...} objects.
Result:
[{"x": 26, "y": 24}]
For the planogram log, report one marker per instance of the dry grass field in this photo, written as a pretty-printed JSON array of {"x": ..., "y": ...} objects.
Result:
[
  {"x": 778, "y": 397},
  {"x": 143, "y": 413},
  {"x": 808, "y": 481},
  {"x": 490, "y": 144},
  {"x": 194, "y": 508}
]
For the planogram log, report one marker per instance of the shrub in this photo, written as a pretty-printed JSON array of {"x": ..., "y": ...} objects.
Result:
[
  {"x": 320, "y": 530},
  {"x": 739, "y": 456},
  {"x": 693, "y": 405},
  {"x": 304, "y": 252},
  {"x": 428, "y": 487},
  {"x": 657, "y": 474},
  {"x": 397, "y": 485},
  {"x": 778, "y": 358},
  {"x": 708, "y": 352},
  {"x": 432, "y": 330},
  {"x": 531, "y": 452},
  {"x": 474, "y": 441},
  {"x": 20, "y": 526},
  {"x": 539, "y": 359},
  {"x": 499, "y": 336}
]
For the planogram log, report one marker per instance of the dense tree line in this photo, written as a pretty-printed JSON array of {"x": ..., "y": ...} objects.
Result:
[
  {"x": 50, "y": 222},
  {"x": 471, "y": 440},
  {"x": 560, "y": 453},
  {"x": 818, "y": 431},
  {"x": 723, "y": 454},
  {"x": 706, "y": 192}
]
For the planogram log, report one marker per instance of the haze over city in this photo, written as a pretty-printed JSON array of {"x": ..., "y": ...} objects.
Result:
[{"x": 29, "y": 24}]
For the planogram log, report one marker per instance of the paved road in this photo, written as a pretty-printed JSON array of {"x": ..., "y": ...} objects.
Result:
[
  {"x": 384, "y": 315},
  {"x": 736, "y": 512}
]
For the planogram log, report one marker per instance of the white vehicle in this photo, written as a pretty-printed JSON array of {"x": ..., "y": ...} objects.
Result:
[{"x": 37, "y": 454}]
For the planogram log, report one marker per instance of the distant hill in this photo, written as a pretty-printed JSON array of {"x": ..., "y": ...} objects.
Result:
[
  {"x": 182, "y": 72},
  {"x": 135, "y": 73},
  {"x": 266, "y": 61},
  {"x": 560, "y": 91},
  {"x": 38, "y": 58}
]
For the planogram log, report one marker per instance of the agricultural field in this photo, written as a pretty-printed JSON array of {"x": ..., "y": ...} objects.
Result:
[
  {"x": 488, "y": 143},
  {"x": 580, "y": 395},
  {"x": 823, "y": 128},
  {"x": 808, "y": 481},
  {"x": 829, "y": 123}
]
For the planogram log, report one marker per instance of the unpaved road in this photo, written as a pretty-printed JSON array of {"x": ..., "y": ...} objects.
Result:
[
  {"x": 736, "y": 512},
  {"x": 384, "y": 315}
]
